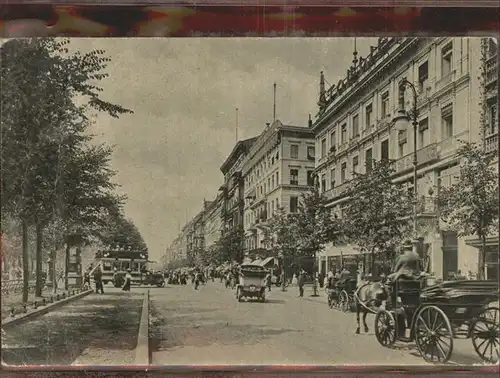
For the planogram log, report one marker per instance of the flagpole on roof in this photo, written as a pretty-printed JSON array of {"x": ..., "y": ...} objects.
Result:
[
  {"x": 236, "y": 126},
  {"x": 274, "y": 101}
]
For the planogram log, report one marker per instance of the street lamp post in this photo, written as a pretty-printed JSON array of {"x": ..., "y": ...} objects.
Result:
[{"x": 401, "y": 123}]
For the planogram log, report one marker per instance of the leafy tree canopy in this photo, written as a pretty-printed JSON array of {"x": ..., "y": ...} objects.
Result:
[
  {"x": 470, "y": 206},
  {"x": 378, "y": 211},
  {"x": 315, "y": 224}
]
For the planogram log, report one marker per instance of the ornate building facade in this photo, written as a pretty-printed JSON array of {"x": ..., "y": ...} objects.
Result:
[
  {"x": 233, "y": 187},
  {"x": 213, "y": 221},
  {"x": 355, "y": 124},
  {"x": 277, "y": 169}
]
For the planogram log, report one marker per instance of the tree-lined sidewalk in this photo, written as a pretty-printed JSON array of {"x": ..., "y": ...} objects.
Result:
[
  {"x": 94, "y": 330},
  {"x": 57, "y": 184}
]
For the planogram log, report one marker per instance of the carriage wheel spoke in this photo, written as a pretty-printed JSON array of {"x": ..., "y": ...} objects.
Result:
[
  {"x": 424, "y": 324},
  {"x": 435, "y": 321},
  {"x": 438, "y": 341},
  {"x": 480, "y": 345},
  {"x": 433, "y": 347},
  {"x": 438, "y": 328},
  {"x": 485, "y": 349},
  {"x": 490, "y": 344}
]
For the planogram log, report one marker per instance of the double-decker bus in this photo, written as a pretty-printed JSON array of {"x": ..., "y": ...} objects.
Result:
[{"x": 136, "y": 261}]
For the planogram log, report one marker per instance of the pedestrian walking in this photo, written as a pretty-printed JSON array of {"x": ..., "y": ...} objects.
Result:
[
  {"x": 268, "y": 281},
  {"x": 98, "y": 280},
  {"x": 197, "y": 278},
  {"x": 86, "y": 279},
  {"x": 294, "y": 280},
  {"x": 128, "y": 281},
  {"x": 300, "y": 281}
]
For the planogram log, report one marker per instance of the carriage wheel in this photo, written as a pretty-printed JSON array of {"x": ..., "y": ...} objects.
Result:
[
  {"x": 484, "y": 332},
  {"x": 385, "y": 328},
  {"x": 433, "y": 334},
  {"x": 344, "y": 301}
]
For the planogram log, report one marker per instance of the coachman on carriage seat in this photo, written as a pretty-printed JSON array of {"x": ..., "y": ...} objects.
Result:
[{"x": 408, "y": 265}]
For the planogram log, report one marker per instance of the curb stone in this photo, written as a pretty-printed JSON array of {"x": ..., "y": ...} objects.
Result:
[
  {"x": 142, "y": 349},
  {"x": 10, "y": 321}
]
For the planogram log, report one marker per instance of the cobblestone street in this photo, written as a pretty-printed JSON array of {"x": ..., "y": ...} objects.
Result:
[
  {"x": 209, "y": 326},
  {"x": 97, "y": 329}
]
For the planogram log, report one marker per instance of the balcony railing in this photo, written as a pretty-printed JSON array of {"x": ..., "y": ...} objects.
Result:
[
  {"x": 424, "y": 155},
  {"x": 384, "y": 122},
  {"x": 337, "y": 191},
  {"x": 444, "y": 81},
  {"x": 491, "y": 142}
]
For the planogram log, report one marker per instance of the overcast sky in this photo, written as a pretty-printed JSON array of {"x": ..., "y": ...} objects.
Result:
[{"x": 184, "y": 93}]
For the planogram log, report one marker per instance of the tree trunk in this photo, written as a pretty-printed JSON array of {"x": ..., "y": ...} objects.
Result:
[
  {"x": 372, "y": 267},
  {"x": 53, "y": 257},
  {"x": 66, "y": 266},
  {"x": 482, "y": 258},
  {"x": 39, "y": 245},
  {"x": 26, "y": 258}
]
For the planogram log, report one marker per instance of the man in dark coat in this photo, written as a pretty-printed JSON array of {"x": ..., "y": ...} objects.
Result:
[
  {"x": 408, "y": 264},
  {"x": 98, "y": 280},
  {"x": 301, "y": 281}
]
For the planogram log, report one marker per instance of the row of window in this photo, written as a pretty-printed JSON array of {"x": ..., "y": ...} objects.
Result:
[
  {"x": 272, "y": 207},
  {"x": 294, "y": 152},
  {"x": 273, "y": 180},
  {"x": 271, "y": 183},
  {"x": 261, "y": 168},
  {"x": 423, "y": 76},
  {"x": 355, "y": 123}
]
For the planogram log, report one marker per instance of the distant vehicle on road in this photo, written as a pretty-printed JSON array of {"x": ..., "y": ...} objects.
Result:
[
  {"x": 121, "y": 260},
  {"x": 252, "y": 282},
  {"x": 153, "y": 279}
]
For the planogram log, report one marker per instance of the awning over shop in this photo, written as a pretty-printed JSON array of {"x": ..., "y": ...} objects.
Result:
[
  {"x": 270, "y": 261},
  {"x": 335, "y": 250}
]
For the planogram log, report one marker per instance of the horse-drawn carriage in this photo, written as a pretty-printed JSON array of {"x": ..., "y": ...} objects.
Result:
[
  {"x": 435, "y": 315},
  {"x": 341, "y": 296}
]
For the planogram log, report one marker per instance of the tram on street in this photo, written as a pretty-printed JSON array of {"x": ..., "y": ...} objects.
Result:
[{"x": 121, "y": 260}]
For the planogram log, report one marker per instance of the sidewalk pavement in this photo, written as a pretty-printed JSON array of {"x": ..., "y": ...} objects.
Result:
[{"x": 95, "y": 330}]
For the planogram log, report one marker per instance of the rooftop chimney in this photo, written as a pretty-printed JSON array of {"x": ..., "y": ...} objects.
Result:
[{"x": 310, "y": 122}]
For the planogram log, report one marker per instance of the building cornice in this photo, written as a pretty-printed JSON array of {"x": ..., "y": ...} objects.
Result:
[
  {"x": 240, "y": 148},
  {"x": 269, "y": 139},
  {"x": 356, "y": 87}
]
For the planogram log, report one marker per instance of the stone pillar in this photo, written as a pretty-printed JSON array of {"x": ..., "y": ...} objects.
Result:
[{"x": 436, "y": 256}]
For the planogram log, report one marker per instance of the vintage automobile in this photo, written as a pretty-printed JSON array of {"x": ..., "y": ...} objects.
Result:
[
  {"x": 153, "y": 279},
  {"x": 252, "y": 282}
]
